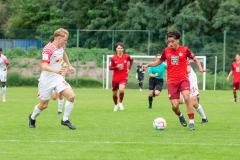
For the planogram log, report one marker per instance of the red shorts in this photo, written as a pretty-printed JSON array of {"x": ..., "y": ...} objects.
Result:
[
  {"x": 174, "y": 89},
  {"x": 115, "y": 85},
  {"x": 236, "y": 85}
]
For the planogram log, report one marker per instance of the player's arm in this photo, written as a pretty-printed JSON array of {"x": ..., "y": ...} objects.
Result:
[
  {"x": 6, "y": 62},
  {"x": 45, "y": 67},
  {"x": 66, "y": 60},
  {"x": 130, "y": 64},
  {"x": 112, "y": 65},
  {"x": 229, "y": 75},
  {"x": 196, "y": 61}
]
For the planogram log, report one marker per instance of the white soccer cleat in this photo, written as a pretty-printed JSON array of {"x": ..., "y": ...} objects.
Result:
[
  {"x": 121, "y": 107},
  {"x": 115, "y": 109}
]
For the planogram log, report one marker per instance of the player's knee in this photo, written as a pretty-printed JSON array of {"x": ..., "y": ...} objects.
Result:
[
  {"x": 54, "y": 98},
  {"x": 71, "y": 98},
  {"x": 157, "y": 93},
  {"x": 3, "y": 84}
]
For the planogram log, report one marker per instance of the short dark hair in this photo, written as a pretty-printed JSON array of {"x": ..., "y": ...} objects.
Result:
[
  {"x": 120, "y": 44},
  {"x": 174, "y": 34},
  {"x": 0, "y": 49}
]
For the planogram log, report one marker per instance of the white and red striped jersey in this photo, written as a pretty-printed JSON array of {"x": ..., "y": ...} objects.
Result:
[
  {"x": 3, "y": 63},
  {"x": 54, "y": 57}
]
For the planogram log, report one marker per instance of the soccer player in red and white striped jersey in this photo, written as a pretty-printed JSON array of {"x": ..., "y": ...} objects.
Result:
[
  {"x": 235, "y": 70},
  {"x": 177, "y": 76},
  {"x": 121, "y": 64},
  {"x": 52, "y": 78},
  {"x": 4, "y": 63}
]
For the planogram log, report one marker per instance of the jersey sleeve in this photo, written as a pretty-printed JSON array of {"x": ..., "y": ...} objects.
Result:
[
  {"x": 46, "y": 54},
  {"x": 190, "y": 54},
  {"x": 232, "y": 67},
  {"x": 131, "y": 62},
  {"x": 163, "y": 57},
  {"x": 112, "y": 65}
]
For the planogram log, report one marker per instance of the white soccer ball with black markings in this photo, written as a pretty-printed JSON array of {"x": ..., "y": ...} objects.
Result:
[{"x": 159, "y": 123}]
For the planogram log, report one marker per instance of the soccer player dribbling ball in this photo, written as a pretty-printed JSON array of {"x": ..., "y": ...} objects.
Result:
[
  {"x": 177, "y": 78},
  {"x": 4, "y": 63},
  {"x": 235, "y": 70},
  {"x": 121, "y": 64},
  {"x": 52, "y": 78}
]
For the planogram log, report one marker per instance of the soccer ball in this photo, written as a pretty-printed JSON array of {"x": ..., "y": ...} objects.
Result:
[{"x": 159, "y": 123}]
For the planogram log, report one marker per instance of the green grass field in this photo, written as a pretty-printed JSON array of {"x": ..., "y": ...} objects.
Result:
[{"x": 128, "y": 135}]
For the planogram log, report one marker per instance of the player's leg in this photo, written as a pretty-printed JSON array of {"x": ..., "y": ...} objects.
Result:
[
  {"x": 189, "y": 106},
  {"x": 44, "y": 94},
  {"x": 181, "y": 99},
  {"x": 3, "y": 78},
  {"x": 151, "y": 87},
  {"x": 199, "y": 108},
  {"x": 115, "y": 87},
  {"x": 235, "y": 87},
  {"x": 150, "y": 99},
  {"x": 4, "y": 90},
  {"x": 36, "y": 111},
  {"x": 70, "y": 97},
  {"x": 158, "y": 86},
  {"x": 174, "y": 95},
  {"x": 60, "y": 103},
  {"x": 122, "y": 87}
]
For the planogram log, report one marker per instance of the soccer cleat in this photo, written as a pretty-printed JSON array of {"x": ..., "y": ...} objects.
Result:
[
  {"x": 235, "y": 100},
  {"x": 115, "y": 108},
  {"x": 68, "y": 123},
  {"x": 31, "y": 122},
  {"x": 182, "y": 121},
  {"x": 204, "y": 121},
  {"x": 191, "y": 126},
  {"x": 59, "y": 113},
  {"x": 121, "y": 108}
]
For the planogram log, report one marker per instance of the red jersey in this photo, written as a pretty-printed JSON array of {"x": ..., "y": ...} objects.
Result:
[
  {"x": 177, "y": 63},
  {"x": 120, "y": 75},
  {"x": 236, "y": 71}
]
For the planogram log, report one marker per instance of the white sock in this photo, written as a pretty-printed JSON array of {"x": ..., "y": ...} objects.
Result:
[
  {"x": 191, "y": 120},
  {"x": 4, "y": 90},
  {"x": 67, "y": 110},
  {"x": 35, "y": 112},
  {"x": 201, "y": 111},
  {"x": 60, "y": 104}
]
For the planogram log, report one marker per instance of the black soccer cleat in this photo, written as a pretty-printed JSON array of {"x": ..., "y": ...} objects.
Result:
[
  {"x": 182, "y": 121},
  {"x": 59, "y": 113},
  {"x": 191, "y": 126},
  {"x": 68, "y": 123},
  {"x": 31, "y": 122},
  {"x": 204, "y": 121}
]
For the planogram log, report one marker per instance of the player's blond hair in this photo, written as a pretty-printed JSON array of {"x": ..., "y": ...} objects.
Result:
[{"x": 61, "y": 32}]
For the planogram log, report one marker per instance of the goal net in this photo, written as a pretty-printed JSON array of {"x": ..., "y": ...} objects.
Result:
[{"x": 132, "y": 81}]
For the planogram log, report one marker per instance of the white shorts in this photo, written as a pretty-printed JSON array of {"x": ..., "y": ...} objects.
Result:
[
  {"x": 194, "y": 90},
  {"x": 45, "y": 88},
  {"x": 3, "y": 76}
]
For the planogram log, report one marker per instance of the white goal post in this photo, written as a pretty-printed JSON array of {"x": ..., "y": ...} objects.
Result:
[{"x": 202, "y": 59}]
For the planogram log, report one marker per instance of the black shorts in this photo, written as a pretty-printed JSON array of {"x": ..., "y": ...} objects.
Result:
[{"x": 155, "y": 84}]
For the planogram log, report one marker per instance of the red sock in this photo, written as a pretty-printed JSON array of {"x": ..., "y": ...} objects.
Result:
[
  {"x": 191, "y": 116},
  {"x": 115, "y": 99},
  {"x": 121, "y": 95}
]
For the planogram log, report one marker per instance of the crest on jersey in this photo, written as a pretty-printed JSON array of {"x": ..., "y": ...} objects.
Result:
[
  {"x": 125, "y": 61},
  {"x": 174, "y": 60},
  {"x": 180, "y": 54}
]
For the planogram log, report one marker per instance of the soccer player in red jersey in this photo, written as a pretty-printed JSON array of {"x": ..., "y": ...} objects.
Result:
[
  {"x": 177, "y": 76},
  {"x": 235, "y": 70},
  {"x": 120, "y": 66}
]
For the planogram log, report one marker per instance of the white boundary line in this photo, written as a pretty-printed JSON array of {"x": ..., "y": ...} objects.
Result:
[{"x": 117, "y": 142}]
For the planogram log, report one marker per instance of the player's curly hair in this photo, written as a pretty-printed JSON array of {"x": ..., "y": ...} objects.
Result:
[{"x": 174, "y": 34}]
